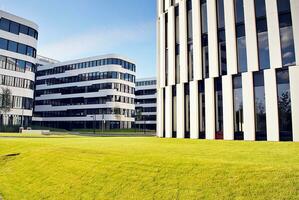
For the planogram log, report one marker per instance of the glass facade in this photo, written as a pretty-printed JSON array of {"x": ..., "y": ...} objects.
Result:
[
  {"x": 204, "y": 39},
  {"x": 260, "y": 106},
  {"x": 262, "y": 34},
  {"x": 238, "y": 108},
  {"x": 201, "y": 107},
  {"x": 284, "y": 105},
  {"x": 218, "y": 108},
  {"x": 177, "y": 45},
  {"x": 221, "y": 38},
  {"x": 286, "y": 33},
  {"x": 190, "y": 40}
]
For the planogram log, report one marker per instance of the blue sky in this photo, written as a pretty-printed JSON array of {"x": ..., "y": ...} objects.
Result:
[{"x": 71, "y": 29}]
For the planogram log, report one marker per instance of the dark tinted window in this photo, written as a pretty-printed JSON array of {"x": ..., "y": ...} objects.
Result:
[
  {"x": 22, "y": 48},
  {"x": 3, "y": 43},
  {"x": 12, "y": 46},
  {"x": 31, "y": 32},
  {"x": 220, "y": 10},
  {"x": 14, "y": 27},
  {"x": 24, "y": 29},
  {"x": 239, "y": 11},
  {"x": 29, "y": 51},
  {"x": 283, "y": 6},
  {"x": 260, "y": 8},
  {"x": 4, "y": 24}
]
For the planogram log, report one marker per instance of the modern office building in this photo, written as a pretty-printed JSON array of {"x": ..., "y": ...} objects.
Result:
[
  {"x": 92, "y": 92},
  {"x": 145, "y": 108},
  {"x": 228, "y": 69},
  {"x": 18, "y": 41}
]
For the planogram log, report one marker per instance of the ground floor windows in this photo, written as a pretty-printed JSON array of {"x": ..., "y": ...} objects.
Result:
[
  {"x": 174, "y": 112},
  {"x": 260, "y": 106},
  {"x": 187, "y": 111},
  {"x": 201, "y": 109},
  {"x": 284, "y": 105},
  {"x": 218, "y": 108},
  {"x": 238, "y": 108}
]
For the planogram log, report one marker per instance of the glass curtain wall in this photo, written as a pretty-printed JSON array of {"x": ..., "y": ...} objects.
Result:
[{"x": 238, "y": 108}]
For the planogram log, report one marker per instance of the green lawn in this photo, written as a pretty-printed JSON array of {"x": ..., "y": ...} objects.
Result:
[{"x": 146, "y": 168}]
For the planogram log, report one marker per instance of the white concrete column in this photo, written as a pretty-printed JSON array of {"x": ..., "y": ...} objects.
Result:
[
  {"x": 197, "y": 52},
  {"x": 180, "y": 110},
  {"x": 294, "y": 87},
  {"x": 183, "y": 42},
  {"x": 171, "y": 46},
  {"x": 160, "y": 112},
  {"x": 248, "y": 106},
  {"x": 271, "y": 105},
  {"x": 158, "y": 52},
  {"x": 194, "y": 110},
  {"x": 273, "y": 34},
  {"x": 168, "y": 111},
  {"x": 162, "y": 51},
  {"x": 295, "y": 17},
  {"x": 228, "y": 107},
  {"x": 212, "y": 39},
  {"x": 159, "y": 6},
  {"x": 251, "y": 36},
  {"x": 230, "y": 36},
  {"x": 210, "y": 108}
]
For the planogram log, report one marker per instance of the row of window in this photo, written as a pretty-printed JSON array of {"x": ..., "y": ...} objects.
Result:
[
  {"x": 145, "y": 101},
  {"x": 95, "y": 63},
  {"x": 21, "y": 103},
  {"x": 17, "y": 47},
  {"x": 85, "y": 101},
  {"x": 286, "y": 37},
  {"x": 147, "y": 118},
  {"x": 16, "y": 64},
  {"x": 16, "y": 82},
  {"x": 86, "y": 89},
  {"x": 85, "y": 112},
  {"x": 16, "y": 28},
  {"x": 146, "y": 92},
  {"x": 87, "y": 77},
  {"x": 146, "y": 109},
  {"x": 284, "y": 107},
  {"x": 144, "y": 83}
]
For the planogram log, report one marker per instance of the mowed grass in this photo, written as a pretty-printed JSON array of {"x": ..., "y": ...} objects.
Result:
[{"x": 146, "y": 168}]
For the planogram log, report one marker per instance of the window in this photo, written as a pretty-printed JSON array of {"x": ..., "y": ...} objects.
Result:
[
  {"x": 31, "y": 32},
  {"x": 22, "y": 49},
  {"x": 220, "y": 14},
  {"x": 3, "y": 43},
  {"x": 263, "y": 45},
  {"x": 238, "y": 108},
  {"x": 204, "y": 39},
  {"x": 12, "y": 46},
  {"x": 222, "y": 52},
  {"x": 30, "y": 51},
  {"x": 187, "y": 110},
  {"x": 239, "y": 11},
  {"x": 14, "y": 27},
  {"x": 260, "y": 106},
  {"x": 286, "y": 33},
  {"x": 2, "y": 62},
  {"x": 4, "y": 24},
  {"x": 218, "y": 108},
  {"x": 241, "y": 48},
  {"x": 201, "y": 107},
  {"x": 284, "y": 105},
  {"x": 20, "y": 65},
  {"x": 24, "y": 29}
]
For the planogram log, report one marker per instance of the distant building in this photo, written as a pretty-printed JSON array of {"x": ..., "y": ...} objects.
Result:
[
  {"x": 86, "y": 93},
  {"x": 18, "y": 41},
  {"x": 146, "y": 103},
  {"x": 228, "y": 69}
]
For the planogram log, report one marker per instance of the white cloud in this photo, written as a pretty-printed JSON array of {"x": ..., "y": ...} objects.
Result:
[{"x": 100, "y": 40}]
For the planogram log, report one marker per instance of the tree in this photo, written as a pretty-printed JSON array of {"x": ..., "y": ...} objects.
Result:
[{"x": 5, "y": 100}]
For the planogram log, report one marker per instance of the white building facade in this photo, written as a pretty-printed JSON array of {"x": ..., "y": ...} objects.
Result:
[
  {"x": 96, "y": 92},
  {"x": 146, "y": 99},
  {"x": 228, "y": 69},
  {"x": 18, "y": 41}
]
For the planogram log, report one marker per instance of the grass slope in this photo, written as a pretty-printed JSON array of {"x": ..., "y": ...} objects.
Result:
[{"x": 147, "y": 168}]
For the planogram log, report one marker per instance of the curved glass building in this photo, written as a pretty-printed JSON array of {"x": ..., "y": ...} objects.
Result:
[
  {"x": 18, "y": 41},
  {"x": 228, "y": 69}
]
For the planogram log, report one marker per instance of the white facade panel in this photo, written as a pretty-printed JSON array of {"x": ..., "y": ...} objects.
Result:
[
  {"x": 228, "y": 107},
  {"x": 183, "y": 42},
  {"x": 180, "y": 111},
  {"x": 294, "y": 87},
  {"x": 194, "y": 114},
  {"x": 168, "y": 111},
  {"x": 210, "y": 108}
]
